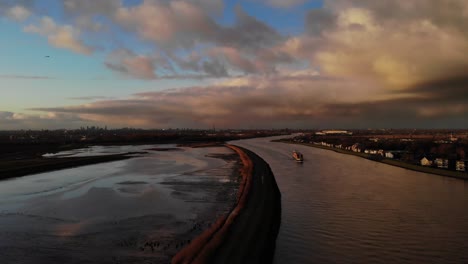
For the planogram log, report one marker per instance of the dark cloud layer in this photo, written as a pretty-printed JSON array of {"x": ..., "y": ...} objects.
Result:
[
  {"x": 257, "y": 105},
  {"x": 448, "y": 90}
]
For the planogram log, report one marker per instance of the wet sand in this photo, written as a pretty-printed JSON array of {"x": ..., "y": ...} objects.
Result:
[{"x": 140, "y": 210}]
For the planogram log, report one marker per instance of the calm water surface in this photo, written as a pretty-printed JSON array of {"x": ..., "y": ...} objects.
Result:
[{"x": 343, "y": 209}]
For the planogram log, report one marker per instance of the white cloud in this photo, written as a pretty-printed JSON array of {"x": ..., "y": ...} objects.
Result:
[{"x": 60, "y": 36}]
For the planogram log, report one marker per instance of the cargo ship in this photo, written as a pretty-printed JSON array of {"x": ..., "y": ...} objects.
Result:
[{"x": 297, "y": 156}]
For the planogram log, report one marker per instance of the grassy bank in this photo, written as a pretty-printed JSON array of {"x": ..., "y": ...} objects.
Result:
[
  {"x": 23, "y": 167},
  {"x": 397, "y": 163}
]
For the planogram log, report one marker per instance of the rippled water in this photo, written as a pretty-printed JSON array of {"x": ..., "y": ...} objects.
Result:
[{"x": 344, "y": 209}]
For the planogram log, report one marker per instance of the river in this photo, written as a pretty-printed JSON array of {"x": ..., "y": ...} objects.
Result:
[{"x": 340, "y": 208}]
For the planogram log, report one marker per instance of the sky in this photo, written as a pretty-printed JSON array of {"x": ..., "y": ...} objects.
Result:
[{"x": 233, "y": 64}]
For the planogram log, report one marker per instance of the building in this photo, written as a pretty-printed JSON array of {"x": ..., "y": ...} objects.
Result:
[
  {"x": 426, "y": 162},
  {"x": 461, "y": 165},
  {"x": 334, "y": 132},
  {"x": 442, "y": 163},
  {"x": 356, "y": 147}
]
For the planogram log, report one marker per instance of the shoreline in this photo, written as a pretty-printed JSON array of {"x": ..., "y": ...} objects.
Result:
[
  {"x": 248, "y": 233},
  {"x": 391, "y": 162}
]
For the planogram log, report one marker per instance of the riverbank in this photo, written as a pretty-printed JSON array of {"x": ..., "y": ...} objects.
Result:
[
  {"x": 23, "y": 167},
  {"x": 392, "y": 162},
  {"x": 248, "y": 233}
]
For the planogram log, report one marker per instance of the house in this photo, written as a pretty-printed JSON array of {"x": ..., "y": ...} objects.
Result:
[
  {"x": 325, "y": 144},
  {"x": 452, "y": 138},
  {"x": 356, "y": 147},
  {"x": 426, "y": 162},
  {"x": 380, "y": 152},
  {"x": 461, "y": 165},
  {"x": 334, "y": 132},
  {"x": 442, "y": 163}
]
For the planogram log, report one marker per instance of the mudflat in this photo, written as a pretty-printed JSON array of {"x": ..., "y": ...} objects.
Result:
[{"x": 137, "y": 210}]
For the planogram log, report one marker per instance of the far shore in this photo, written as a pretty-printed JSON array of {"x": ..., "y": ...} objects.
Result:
[
  {"x": 23, "y": 167},
  {"x": 392, "y": 162}
]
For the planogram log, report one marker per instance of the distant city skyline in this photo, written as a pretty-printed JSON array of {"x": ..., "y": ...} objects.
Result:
[{"x": 234, "y": 64}]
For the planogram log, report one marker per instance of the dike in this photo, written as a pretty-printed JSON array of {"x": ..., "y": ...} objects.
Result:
[{"x": 248, "y": 233}]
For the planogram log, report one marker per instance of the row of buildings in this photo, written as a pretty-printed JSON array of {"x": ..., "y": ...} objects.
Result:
[
  {"x": 428, "y": 161},
  {"x": 451, "y": 164}
]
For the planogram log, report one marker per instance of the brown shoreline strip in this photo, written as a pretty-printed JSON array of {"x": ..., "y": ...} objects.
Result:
[
  {"x": 19, "y": 168},
  {"x": 248, "y": 233}
]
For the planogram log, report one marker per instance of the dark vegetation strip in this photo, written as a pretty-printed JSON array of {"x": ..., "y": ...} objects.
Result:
[
  {"x": 392, "y": 162},
  {"x": 248, "y": 233},
  {"x": 17, "y": 168}
]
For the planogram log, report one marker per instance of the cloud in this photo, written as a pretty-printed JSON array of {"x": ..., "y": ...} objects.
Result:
[
  {"x": 295, "y": 99},
  {"x": 223, "y": 104},
  {"x": 183, "y": 24},
  {"x": 130, "y": 64},
  {"x": 248, "y": 33},
  {"x": 382, "y": 41},
  {"x": 158, "y": 66},
  {"x": 319, "y": 20},
  {"x": 357, "y": 62},
  {"x": 177, "y": 29},
  {"x": 18, "y": 13},
  {"x": 453, "y": 89},
  {"x": 91, "y": 7},
  {"x": 169, "y": 23},
  {"x": 65, "y": 37},
  {"x": 396, "y": 44},
  {"x": 176, "y": 26}
]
